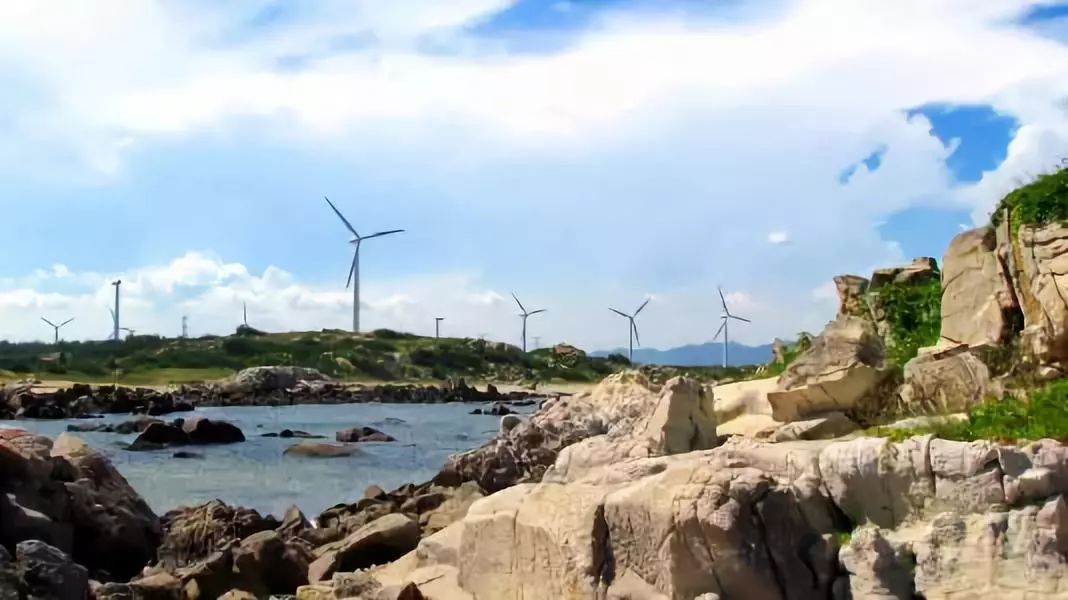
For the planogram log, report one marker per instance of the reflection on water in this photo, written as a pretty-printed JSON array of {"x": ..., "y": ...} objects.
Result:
[{"x": 257, "y": 475}]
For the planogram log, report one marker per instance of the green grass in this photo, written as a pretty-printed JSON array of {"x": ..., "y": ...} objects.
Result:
[
  {"x": 1045, "y": 200},
  {"x": 1042, "y": 414},
  {"x": 914, "y": 315}
]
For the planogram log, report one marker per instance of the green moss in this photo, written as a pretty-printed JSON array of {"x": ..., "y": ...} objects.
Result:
[
  {"x": 1045, "y": 200},
  {"x": 843, "y": 538},
  {"x": 914, "y": 315}
]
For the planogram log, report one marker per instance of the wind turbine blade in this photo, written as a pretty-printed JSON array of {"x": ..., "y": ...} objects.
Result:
[
  {"x": 342, "y": 217},
  {"x": 642, "y": 306},
  {"x": 47, "y": 321},
  {"x": 519, "y": 303},
  {"x": 719, "y": 331},
  {"x": 67, "y": 321},
  {"x": 381, "y": 233},
  {"x": 619, "y": 312},
  {"x": 722, "y": 299},
  {"x": 352, "y": 269},
  {"x": 739, "y": 318},
  {"x": 634, "y": 325},
  {"x": 534, "y": 312}
]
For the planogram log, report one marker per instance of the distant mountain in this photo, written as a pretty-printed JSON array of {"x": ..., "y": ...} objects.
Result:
[{"x": 698, "y": 355}]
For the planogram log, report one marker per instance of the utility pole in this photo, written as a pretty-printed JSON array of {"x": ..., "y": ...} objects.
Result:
[
  {"x": 537, "y": 342},
  {"x": 117, "y": 283},
  {"x": 437, "y": 326},
  {"x": 244, "y": 313}
]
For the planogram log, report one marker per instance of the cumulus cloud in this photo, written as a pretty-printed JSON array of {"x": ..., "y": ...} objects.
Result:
[{"x": 778, "y": 238}]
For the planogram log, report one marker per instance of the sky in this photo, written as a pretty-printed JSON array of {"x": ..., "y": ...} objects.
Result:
[{"x": 581, "y": 154}]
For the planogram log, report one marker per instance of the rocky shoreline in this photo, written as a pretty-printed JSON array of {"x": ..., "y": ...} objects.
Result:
[{"x": 261, "y": 386}]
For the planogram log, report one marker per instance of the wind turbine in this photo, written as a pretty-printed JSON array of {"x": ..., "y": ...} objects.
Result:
[
  {"x": 726, "y": 317},
  {"x": 56, "y": 327},
  {"x": 524, "y": 315},
  {"x": 437, "y": 326},
  {"x": 115, "y": 313},
  {"x": 633, "y": 327},
  {"x": 130, "y": 332},
  {"x": 354, "y": 270}
]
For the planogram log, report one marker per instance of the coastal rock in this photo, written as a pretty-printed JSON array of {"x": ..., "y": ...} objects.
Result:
[
  {"x": 851, "y": 301},
  {"x": 842, "y": 371},
  {"x": 159, "y": 435},
  {"x": 939, "y": 383},
  {"x": 363, "y": 434},
  {"x": 732, "y": 400},
  {"x": 378, "y": 542},
  {"x": 878, "y": 568},
  {"x": 291, "y": 433},
  {"x": 115, "y": 531},
  {"x": 46, "y": 572},
  {"x": 826, "y": 426},
  {"x": 978, "y": 302},
  {"x": 677, "y": 420},
  {"x": 273, "y": 378},
  {"x": 192, "y": 534},
  {"x": 320, "y": 450},
  {"x": 207, "y": 431},
  {"x": 265, "y": 564},
  {"x": 1039, "y": 254}
]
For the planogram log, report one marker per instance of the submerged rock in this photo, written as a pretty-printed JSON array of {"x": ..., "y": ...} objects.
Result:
[
  {"x": 363, "y": 434},
  {"x": 321, "y": 450}
]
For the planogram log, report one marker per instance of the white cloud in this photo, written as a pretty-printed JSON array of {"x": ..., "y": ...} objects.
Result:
[
  {"x": 778, "y": 238},
  {"x": 696, "y": 131}
]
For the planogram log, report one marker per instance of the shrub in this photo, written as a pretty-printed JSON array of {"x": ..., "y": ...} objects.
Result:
[
  {"x": 1045, "y": 200},
  {"x": 914, "y": 315}
]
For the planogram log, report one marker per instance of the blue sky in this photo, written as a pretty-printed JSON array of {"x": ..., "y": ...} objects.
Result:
[{"x": 581, "y": 154}]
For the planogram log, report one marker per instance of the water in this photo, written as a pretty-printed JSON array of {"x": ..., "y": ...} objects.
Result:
[{"x": 256, "y": 474}]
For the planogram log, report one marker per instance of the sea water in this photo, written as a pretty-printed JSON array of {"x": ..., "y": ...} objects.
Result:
[{"x": 256, "y": 474}]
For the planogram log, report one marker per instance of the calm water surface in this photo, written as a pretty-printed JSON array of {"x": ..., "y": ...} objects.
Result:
[{"x": 256, "y": 474}]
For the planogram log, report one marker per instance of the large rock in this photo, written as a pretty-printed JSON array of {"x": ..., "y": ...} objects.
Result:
[
  {"x": 680, "y": 419},
  {"x": 273, "y": 378},
  {"x": 321, "y": 450},
  {"x": 379, "y": 542},
  {"x": 732, "y": 400},
  {"x": 851, "y": 300},
  {"x": 843, "y": 371},
  {"x": 1037, "y": 257},
  {"x": 194, "y": 533},
  {"x": 979, "y": 305},
  {"x": 46, "y": 572},
  {"x": 206, "y": 431},
  {"x": 115, "y": 531},
  {"x": 940, "y": 383},
  {"x": 266, "y": 564},
  {"x": 363, "y": 434}
]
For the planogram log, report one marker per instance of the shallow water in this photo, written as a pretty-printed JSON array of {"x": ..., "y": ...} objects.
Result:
[{"x": 256, "y": 474}]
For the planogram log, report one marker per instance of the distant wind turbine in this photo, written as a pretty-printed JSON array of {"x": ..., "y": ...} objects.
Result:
[
  {"x": 437, "y": 326},
  {"x": 130, "y": 332},
  {"x": 524, "y": 315},
  {"x": 633, "y": 327},
  {"x": 57, "y": 327},
  {"x": 354, "y": 270},
  {"x": 115, "y": 313},
  {"x": 726, "y": 316}
]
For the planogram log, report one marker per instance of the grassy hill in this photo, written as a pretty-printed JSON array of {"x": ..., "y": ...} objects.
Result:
[{"x": 382, "y": 355}]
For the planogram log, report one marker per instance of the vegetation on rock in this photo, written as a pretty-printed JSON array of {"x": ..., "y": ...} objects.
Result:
[
  {"x": 1045, "y": 200},
  {"x": 914, "y": 315}
]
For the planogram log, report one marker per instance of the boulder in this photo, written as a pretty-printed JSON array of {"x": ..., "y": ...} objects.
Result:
[
  {"x": 319, "y": 450},
  {"x": 825, "y": 426},
  {"x": 379, "y": 542},
  {"x": 921, "y": 270},
  {"x": 115, "y": 531},
  {"x": 159, "y": 435},
  {"x": 979, "y": 305},
  {"x": 192, "y": 534},
  {"x": 362, "y": 434},
  {"x": 1037, "y": 255},
  {"x": 851, "y": 301},
  {"x": 878, "y": 568},
  {"x": 510, "y": 422},
  {"x": 265, "y": 564},
  {"x": 842, "y": 371},
  {"x": 739, "y": 398},
  {"x": 273, "y": 378},
  {"x": 940, "y": 383},
  {"x": 46, "y": 572},
  {"x": 206, "y": 431}
]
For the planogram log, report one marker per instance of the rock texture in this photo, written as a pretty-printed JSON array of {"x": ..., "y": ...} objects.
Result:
[
  {"x": 843, "y": 371},
  {"x": 851, "y": 301},
  {"x": 939, "y": 383},
  {"x": 979, "y": 305},
  {"x": 1040, "y": 257}
]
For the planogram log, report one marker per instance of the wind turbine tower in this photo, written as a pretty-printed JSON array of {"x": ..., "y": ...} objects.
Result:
[
  {"x": 115, "y": 313},
  {"x": 185, "y": 327},
  {"x": 525, "y": 314},
  {"x": 57, "y": 327},
  {"x": 633, "y": 327},
  {"x": 437, "y": 326},
  {"x": 723, "y": 328},
  {"x": 354, "y": 270}
]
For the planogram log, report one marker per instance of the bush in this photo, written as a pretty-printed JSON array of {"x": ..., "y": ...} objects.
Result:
[
  {"x": 1045, "y": 200},
  {"x": 914, "y": 314}
]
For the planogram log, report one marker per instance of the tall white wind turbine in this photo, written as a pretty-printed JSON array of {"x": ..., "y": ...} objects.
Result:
[
  {"x": 57, "y": 327},
  {"x": 354, "y": 270},
  {"x": 633, "y": 327},
  {"x": 524, "y": 314},
  {"x": 115, "y": 313},
  {"x": 723, "y": 328}
]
